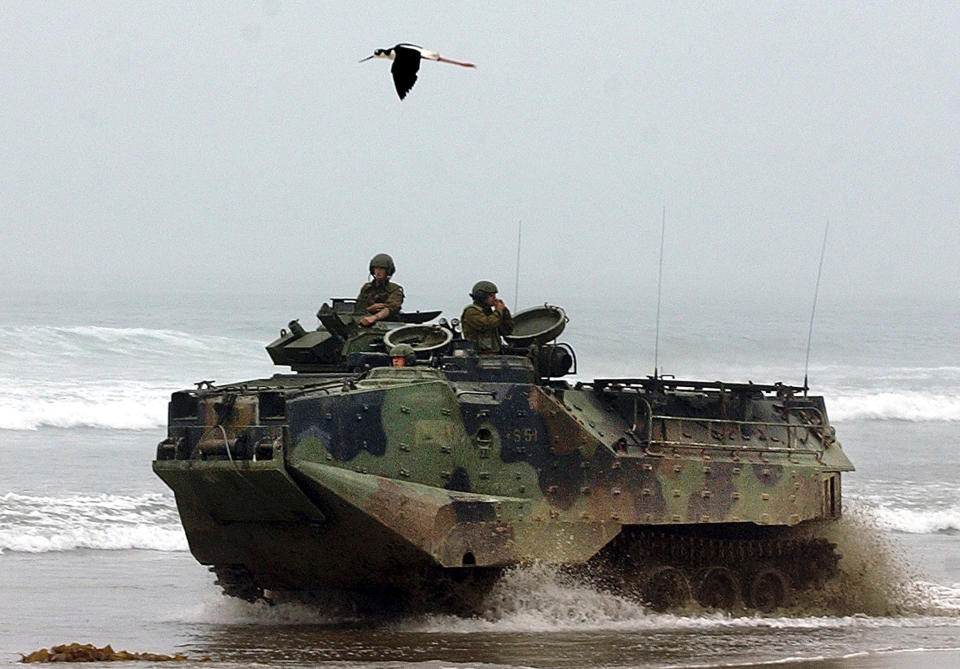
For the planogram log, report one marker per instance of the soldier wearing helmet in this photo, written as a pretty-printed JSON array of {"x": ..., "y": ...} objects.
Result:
[
  {"x": 484, "y": 321},
  {"x": 379, "y": 298}
]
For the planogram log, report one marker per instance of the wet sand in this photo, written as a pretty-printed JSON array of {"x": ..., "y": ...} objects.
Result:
[
  {"x": 914, "y": 659},
  {"x": 151, "y": 601}
]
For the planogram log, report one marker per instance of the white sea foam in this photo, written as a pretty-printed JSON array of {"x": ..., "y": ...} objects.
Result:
[
  {"x": 36, "y": 524},
  {"x": 55, "y": 340},
  {"x": 900, "y": 405},
  {"x": 111, "y": 378},
  {"x": 539, "y": 599},
  {"x": 121, "y": 405},
  {"x": 918, "y": 521}
]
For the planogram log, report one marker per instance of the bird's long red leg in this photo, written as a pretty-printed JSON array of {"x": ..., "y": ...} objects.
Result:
[{"x": 455, "y": 62}]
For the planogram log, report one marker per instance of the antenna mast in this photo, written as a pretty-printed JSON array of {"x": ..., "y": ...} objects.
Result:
[
  {"x": 516, "y": 282},
  {"x": 656, "y": 345},
  {"x": 816, "y": 292}
]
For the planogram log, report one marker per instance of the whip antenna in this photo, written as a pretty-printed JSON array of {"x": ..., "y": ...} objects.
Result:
[
  {"x": 516, "y": 282},
  {"x": 816, "y": 292},
  {"x": 656, "y": 344}
]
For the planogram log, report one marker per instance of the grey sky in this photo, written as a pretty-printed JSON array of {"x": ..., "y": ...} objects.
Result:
[{"x": 241, "y": 146}]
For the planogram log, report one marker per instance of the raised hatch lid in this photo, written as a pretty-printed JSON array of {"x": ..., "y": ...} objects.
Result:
[{"x": 537, "y": 325}]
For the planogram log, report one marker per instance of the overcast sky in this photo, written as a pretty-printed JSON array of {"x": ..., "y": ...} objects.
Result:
[{"x": 241, "y": 146}]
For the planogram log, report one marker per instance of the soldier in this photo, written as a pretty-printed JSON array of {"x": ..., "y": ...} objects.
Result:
[
  {"x": 403, "y": 355},
  {"x": 484, "y": 321},
  {"x": 380, "y": 298}
]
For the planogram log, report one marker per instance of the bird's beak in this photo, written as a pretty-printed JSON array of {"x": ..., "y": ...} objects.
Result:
[{"x": 367, "y": 58}]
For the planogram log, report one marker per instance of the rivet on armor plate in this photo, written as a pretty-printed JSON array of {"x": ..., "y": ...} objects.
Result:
[
  {"x": 552, "y": 488},
  {"x": 766, "y": 472},
  {"x": 615, "y": 465},
  {"x": 793, "y": 498},
  {"x": 329, "y": 457},
  {"x": 736, "y": 495},
  {"x": 404, "y": 409},
  {"x": 677, "y": 468},
  {"x": 645, "y": 492},
  {"x": 359, "y": 417},
  {"x": 445, "y": 412},
  {"x": 765, "y": 497},
  {"x": 614, "y": 516},
  {"x": 736, "y": 470},
  {"x": 704, "y": 519},
  {"x": 795, "y": 518},
  {"x": 585, "y": 516},
  {"x": 675, "y": 518},
  {"x": 765, "y": 518},
  {"x": 676, "y": 492},
  {"x": 403, "y": 472},
  {"x": 706, "y": 470},
  {"x": 366, "y": 407},
  {"x": 445, "y": 474},
  {"x": 705, "y": 494},
  {"x": 404, "y": 447},
  {"x": 615, "y": 491},
  {"x": 585, "y": 490},
  {"x": 484, "y": 476},
  {"x": 328, "y": 416},
  {"x": 647, "y": 467}
]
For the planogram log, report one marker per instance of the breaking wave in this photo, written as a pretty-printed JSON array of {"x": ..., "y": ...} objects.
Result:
[
  {"x": 108, "y": 377},
  {"x": 914, "y": 406},
  {"x": 119, "y": 405},
  {"x": 37, "y": 524},
  {"x": 919, "y": 521}
]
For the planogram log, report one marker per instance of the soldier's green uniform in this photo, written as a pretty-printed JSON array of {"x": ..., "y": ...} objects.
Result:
[
  {"x": 389, "y": 293},
  {"x": 483, "y": 324},
  {"x": 382, "y": 291}
]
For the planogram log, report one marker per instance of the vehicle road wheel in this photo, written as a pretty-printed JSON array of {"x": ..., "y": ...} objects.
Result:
[
  {"x": 665, "y": 587},
  {"x": 718, "y": 588},
  {"x": 769, "y": 589}
]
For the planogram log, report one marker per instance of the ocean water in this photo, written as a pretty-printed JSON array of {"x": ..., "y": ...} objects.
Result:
[{"x": 91, "y": 548}]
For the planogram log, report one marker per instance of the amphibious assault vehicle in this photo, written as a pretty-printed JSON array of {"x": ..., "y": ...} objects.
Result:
[{"x": 424, "y": 481}]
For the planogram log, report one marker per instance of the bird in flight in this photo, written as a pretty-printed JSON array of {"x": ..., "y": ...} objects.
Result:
[{"x": 406, "y": 62}]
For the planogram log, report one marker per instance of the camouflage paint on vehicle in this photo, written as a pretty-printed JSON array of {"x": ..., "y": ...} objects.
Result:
[{"x": 358, "y": 478}]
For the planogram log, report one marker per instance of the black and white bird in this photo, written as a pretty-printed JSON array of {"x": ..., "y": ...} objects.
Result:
[{"x": 406, "y": 62}]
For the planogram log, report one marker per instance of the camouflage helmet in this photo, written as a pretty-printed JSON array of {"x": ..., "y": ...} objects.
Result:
[
  {"x": 483, "y": 288},
  {"x": 402, "y": 350},
  {"x": 385, "y": 261}
]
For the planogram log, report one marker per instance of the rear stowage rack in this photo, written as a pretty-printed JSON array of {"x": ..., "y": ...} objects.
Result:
[{"x": 661, "y": 383}]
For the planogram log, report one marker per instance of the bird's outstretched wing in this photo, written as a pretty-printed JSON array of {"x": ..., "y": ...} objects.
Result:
[{"x": 406, "y": 63}]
